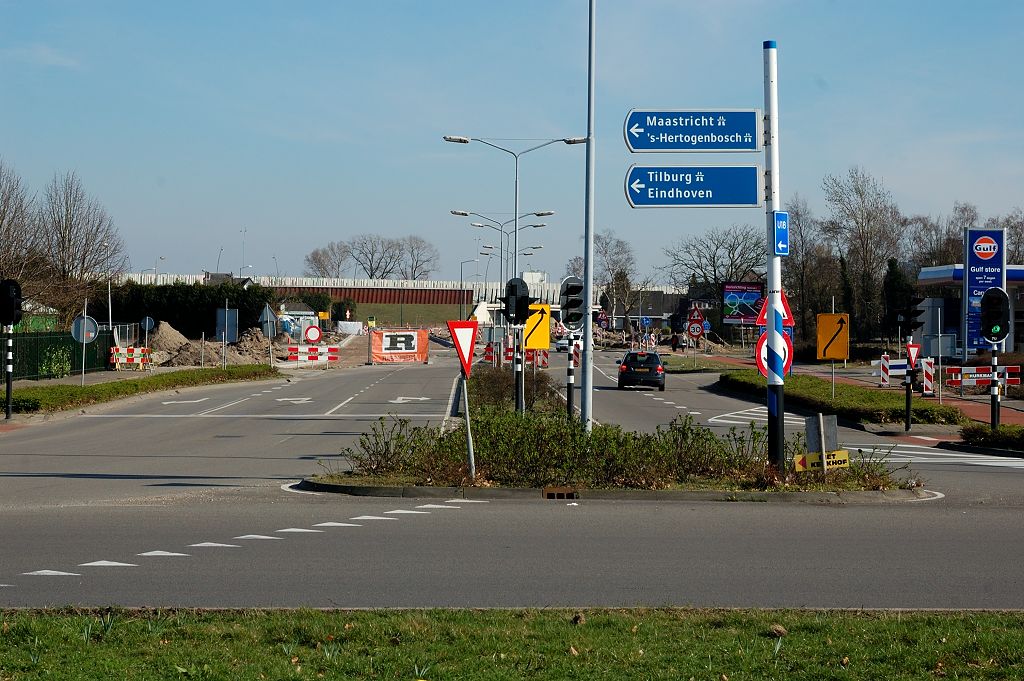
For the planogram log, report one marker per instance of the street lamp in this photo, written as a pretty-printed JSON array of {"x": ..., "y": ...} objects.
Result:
[
  {"x": 277, "y": 268},
  {"x": 110, "y": 312},
  {"x": 499, "y": 226},
  {"x": 243, "y": 267},
  {"x": 462, "y": 298},
  {"x": 156, "y": 267}
]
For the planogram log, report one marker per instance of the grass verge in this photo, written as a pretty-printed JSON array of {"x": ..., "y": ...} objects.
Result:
[
  {"x": 852, "y": 402},
  {"x": 1003, "y": 437},
  {"x": 48, "y": 398},
  {"x": 509, "y": 644},
  {"x": 685, "y": 364}
]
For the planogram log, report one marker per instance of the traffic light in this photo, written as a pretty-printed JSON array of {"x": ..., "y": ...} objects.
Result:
[
  {"x": 10, "y": 302},
  {"x": 517, "y": 301},
  {"x": 909, "y": 316},
  {"x": 995, "y": 315},
  {"x": 571, "y": 301}
]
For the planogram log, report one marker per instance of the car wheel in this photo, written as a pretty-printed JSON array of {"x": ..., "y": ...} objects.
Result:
[{"x": 661, "y": 387}]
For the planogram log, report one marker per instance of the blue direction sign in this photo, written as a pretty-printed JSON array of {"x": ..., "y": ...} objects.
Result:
[
  {"x": 694, "y": 130},
  {"x": 781, "y": 241},
  {"x": 694, "y": 186}
]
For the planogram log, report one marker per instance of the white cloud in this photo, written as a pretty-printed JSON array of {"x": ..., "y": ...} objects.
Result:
[{"x": 42, "y": 55}]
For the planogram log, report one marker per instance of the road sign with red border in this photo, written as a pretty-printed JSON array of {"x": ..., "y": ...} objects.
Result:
[
  {"x": 464, "y": 337},
  {"x": 787, "y": 314},
  {"x": 761, "y": 354},
  {"x": 695, "y": 329},
  {"x": 313, "y": 334},
  {"x": 696, "y": 316},
  {"x": 913, "y": 350}
]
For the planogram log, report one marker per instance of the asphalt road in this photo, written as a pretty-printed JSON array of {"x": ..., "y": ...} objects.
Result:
[{"x": 184, "y": 499}]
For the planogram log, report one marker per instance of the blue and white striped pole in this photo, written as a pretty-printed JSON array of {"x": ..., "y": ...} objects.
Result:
[{"x": 776, "y": 343}]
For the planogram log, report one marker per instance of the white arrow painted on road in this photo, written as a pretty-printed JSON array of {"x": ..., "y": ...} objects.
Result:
[
  {"x": 201, "y": 399},
  {"x": 636, "y": 130},
  {"x": 403, "y": 400},
  {"x": 636, "y": 186},
  {"x": 294, "y": 400}
]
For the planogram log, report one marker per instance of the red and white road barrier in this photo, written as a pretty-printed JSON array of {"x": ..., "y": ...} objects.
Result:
[
  {"x": 958, "y": 376},
  {"x": 509, "y": 353},
  {"x": 489, "y": 353},
  {"x": 135, "y": 358},
  {"x": 576, "y": 355},
  {"x": 313, "y": 353},
  {"x": 928, "y": 377}
]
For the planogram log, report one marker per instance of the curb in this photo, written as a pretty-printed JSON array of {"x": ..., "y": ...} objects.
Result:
[
  {"x": 534, "y": 493},
  {"x": 975, "y": 449}
]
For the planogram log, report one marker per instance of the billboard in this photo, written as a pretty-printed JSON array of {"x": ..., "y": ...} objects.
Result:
[
  {"x": 741, "y": 302},
  {"x": 984, "y": 268},
  {"x": 388, "y": 347}
]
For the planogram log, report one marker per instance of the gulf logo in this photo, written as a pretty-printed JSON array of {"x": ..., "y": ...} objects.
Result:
[{"x": 985, "y": 247}]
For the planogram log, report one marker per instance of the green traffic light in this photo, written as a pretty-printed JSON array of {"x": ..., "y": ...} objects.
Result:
[{"x": 995, "y": 328}]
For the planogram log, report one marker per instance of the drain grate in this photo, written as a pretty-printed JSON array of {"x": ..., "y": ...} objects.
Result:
[{"x": 560, "y": 493}]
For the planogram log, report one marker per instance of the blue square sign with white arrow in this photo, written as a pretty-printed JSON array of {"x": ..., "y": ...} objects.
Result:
[{"x": 780, "y": 243}]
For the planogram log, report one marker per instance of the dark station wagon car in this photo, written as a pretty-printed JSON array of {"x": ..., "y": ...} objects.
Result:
[{"x": 641, "y": 368}]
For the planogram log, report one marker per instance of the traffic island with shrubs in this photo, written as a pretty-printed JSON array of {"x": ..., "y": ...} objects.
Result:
[{"x": 545, "y": 448}]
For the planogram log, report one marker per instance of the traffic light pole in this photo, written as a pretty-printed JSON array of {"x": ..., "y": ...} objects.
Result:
[
  {"x": 994, "y": 389},
  {"x": 570, "y": 377},
  {"x": 520, "y": 375},
  {"x": 10, "y": 368}
]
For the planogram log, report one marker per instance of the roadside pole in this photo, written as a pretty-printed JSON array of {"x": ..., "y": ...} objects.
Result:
[
  {"x": 994, "y": 389},
  {"x": 908, "y": 381},
  {"x": 469, "y": 430},
  {"x": 85, "y": 325},
  {"x": 10, "y": 367},
  {"x": 570, "y": 378},
  {"x": 776, "y": 343}
]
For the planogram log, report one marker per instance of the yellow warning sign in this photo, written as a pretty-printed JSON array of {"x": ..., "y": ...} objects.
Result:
[
  {"x": 833, "y": 336},
  {"x": 537, "y": 331},
  {"x": 812, "y": 460}
]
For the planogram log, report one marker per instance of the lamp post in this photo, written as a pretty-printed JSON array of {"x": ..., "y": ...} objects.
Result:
[
  {"x": 277, "y": 268},
  {"x": 110, "y": 312},
  {"x": 462, "y": 297},
  {"x": 520, "y": 403},
  {"x": 499, "y": 227},
  {"x": 243, "y": 267},
  {"x": 156, "y": 268}
]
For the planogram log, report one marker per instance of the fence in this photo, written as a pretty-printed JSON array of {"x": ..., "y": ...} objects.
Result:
[{"x": 56, "y": 354}]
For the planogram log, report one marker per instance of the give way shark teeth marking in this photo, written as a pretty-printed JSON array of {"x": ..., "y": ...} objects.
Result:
[
  {"x": 106, "y": 563},
  {"x": 161, "y": 554}
]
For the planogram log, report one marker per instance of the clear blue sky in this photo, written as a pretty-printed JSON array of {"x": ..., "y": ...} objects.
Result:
[{"x": 309, "y": 122}]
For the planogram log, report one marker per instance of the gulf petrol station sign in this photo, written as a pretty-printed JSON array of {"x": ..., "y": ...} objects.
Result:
[{"x": 984, "y": 268}]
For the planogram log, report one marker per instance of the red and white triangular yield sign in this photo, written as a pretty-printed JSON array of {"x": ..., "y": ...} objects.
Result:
[
  {"x": 787, "y": 314},
  {"x": 464, "y": 336},
  {"x": 913, "y": 350},
  {"x": 696, "y": 316}
]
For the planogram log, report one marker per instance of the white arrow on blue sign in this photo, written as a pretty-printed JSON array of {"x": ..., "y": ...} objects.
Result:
[
  {"x": 694, "y": 186},
  {"x": 699, "y": 130},
  {"x": 780, "y": 242}
]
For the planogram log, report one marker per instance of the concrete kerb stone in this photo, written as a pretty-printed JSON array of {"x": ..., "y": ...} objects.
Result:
[{"x": 686, "y": 496}]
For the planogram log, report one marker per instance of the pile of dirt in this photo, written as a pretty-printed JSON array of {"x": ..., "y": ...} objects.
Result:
[
  {"x": 166, "y": 338},
  {"x": 208, "y": 353},
  {"x": 252, "y": 342}
]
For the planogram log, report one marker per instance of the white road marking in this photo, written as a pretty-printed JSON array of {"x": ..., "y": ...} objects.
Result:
[
  {"x": 51, "y": 573},
  {"x": 695, "y": 413},
  {"x": 403, "y": 400},
  {"x": 936, "y": 497},
  {"x": 451, "y": 403},
  {"x": 294, "y": 400},
  {"x": 223, "y": 406},
  {"x": 407, "y": 512},
  {"x": 288, "y": 487},
  {"x": 435, "y": 506},
  {"x": 466, "y": 501},
  {"x": 372, "y": 517},
  {"x": 106, "y": 563},
  {"x": 276, "y": 417},
  {"x": 756, "y": 414},
  {"x": 925, "y": 437},
  {"x": 201, "y": 399},
  {"x": 257, "y": 536},
  {"x": 297, "y": 529},
  {"x": 213, "y": 544},
  {"x": 334, "y": 524},
  {"x": 340, "y": 406},
  {"x": 161, "y": 554}
]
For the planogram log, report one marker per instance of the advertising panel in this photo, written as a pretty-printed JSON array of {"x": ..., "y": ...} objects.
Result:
[
  {"x": 405, "y": 345},
  {"x": 984, "y": 268},
  {"x": 741, "y": 301}
]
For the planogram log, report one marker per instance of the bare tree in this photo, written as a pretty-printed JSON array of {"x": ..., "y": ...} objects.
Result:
[
  {"x": 614, "y": 267},
  {"x": 735, "y": 253},
  {"x": 419, "y": 260},
  {"x": 378, "y": 256},
  {"x": 1013, "y": 223},
  {"x": 802, "y": 276},
  {"x": 866, "y": 226},
  {"x": 574, "y": 268},
  {"x": 21, "y": 249},
  {"x": 80, "y": 243},
  {"x": 330, "y": 261}
]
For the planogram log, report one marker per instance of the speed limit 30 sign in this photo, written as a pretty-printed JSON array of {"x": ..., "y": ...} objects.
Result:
[{"x": 695, "y": 330}]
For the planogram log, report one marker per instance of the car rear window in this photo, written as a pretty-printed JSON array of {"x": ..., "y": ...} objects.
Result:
[{"x": 644, "y": 359}]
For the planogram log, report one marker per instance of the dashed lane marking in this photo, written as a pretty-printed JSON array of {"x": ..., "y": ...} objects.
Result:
[
  {"x": 213, "y": 544},
  {"x": 406, "y": 512},
  {"x": 51, "y": 573},
  {"x": 162, "y": 554},
  {"x": 106, "y": 563},
  {"x": 298, "y": 530},
  {"x": 372, "y": 517},
  {"x": 334, "y": 524},
  {"x": 435, "y": 506},
  {"x": 257, "y": 536},
  {"x": 466, "y": 501}
]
